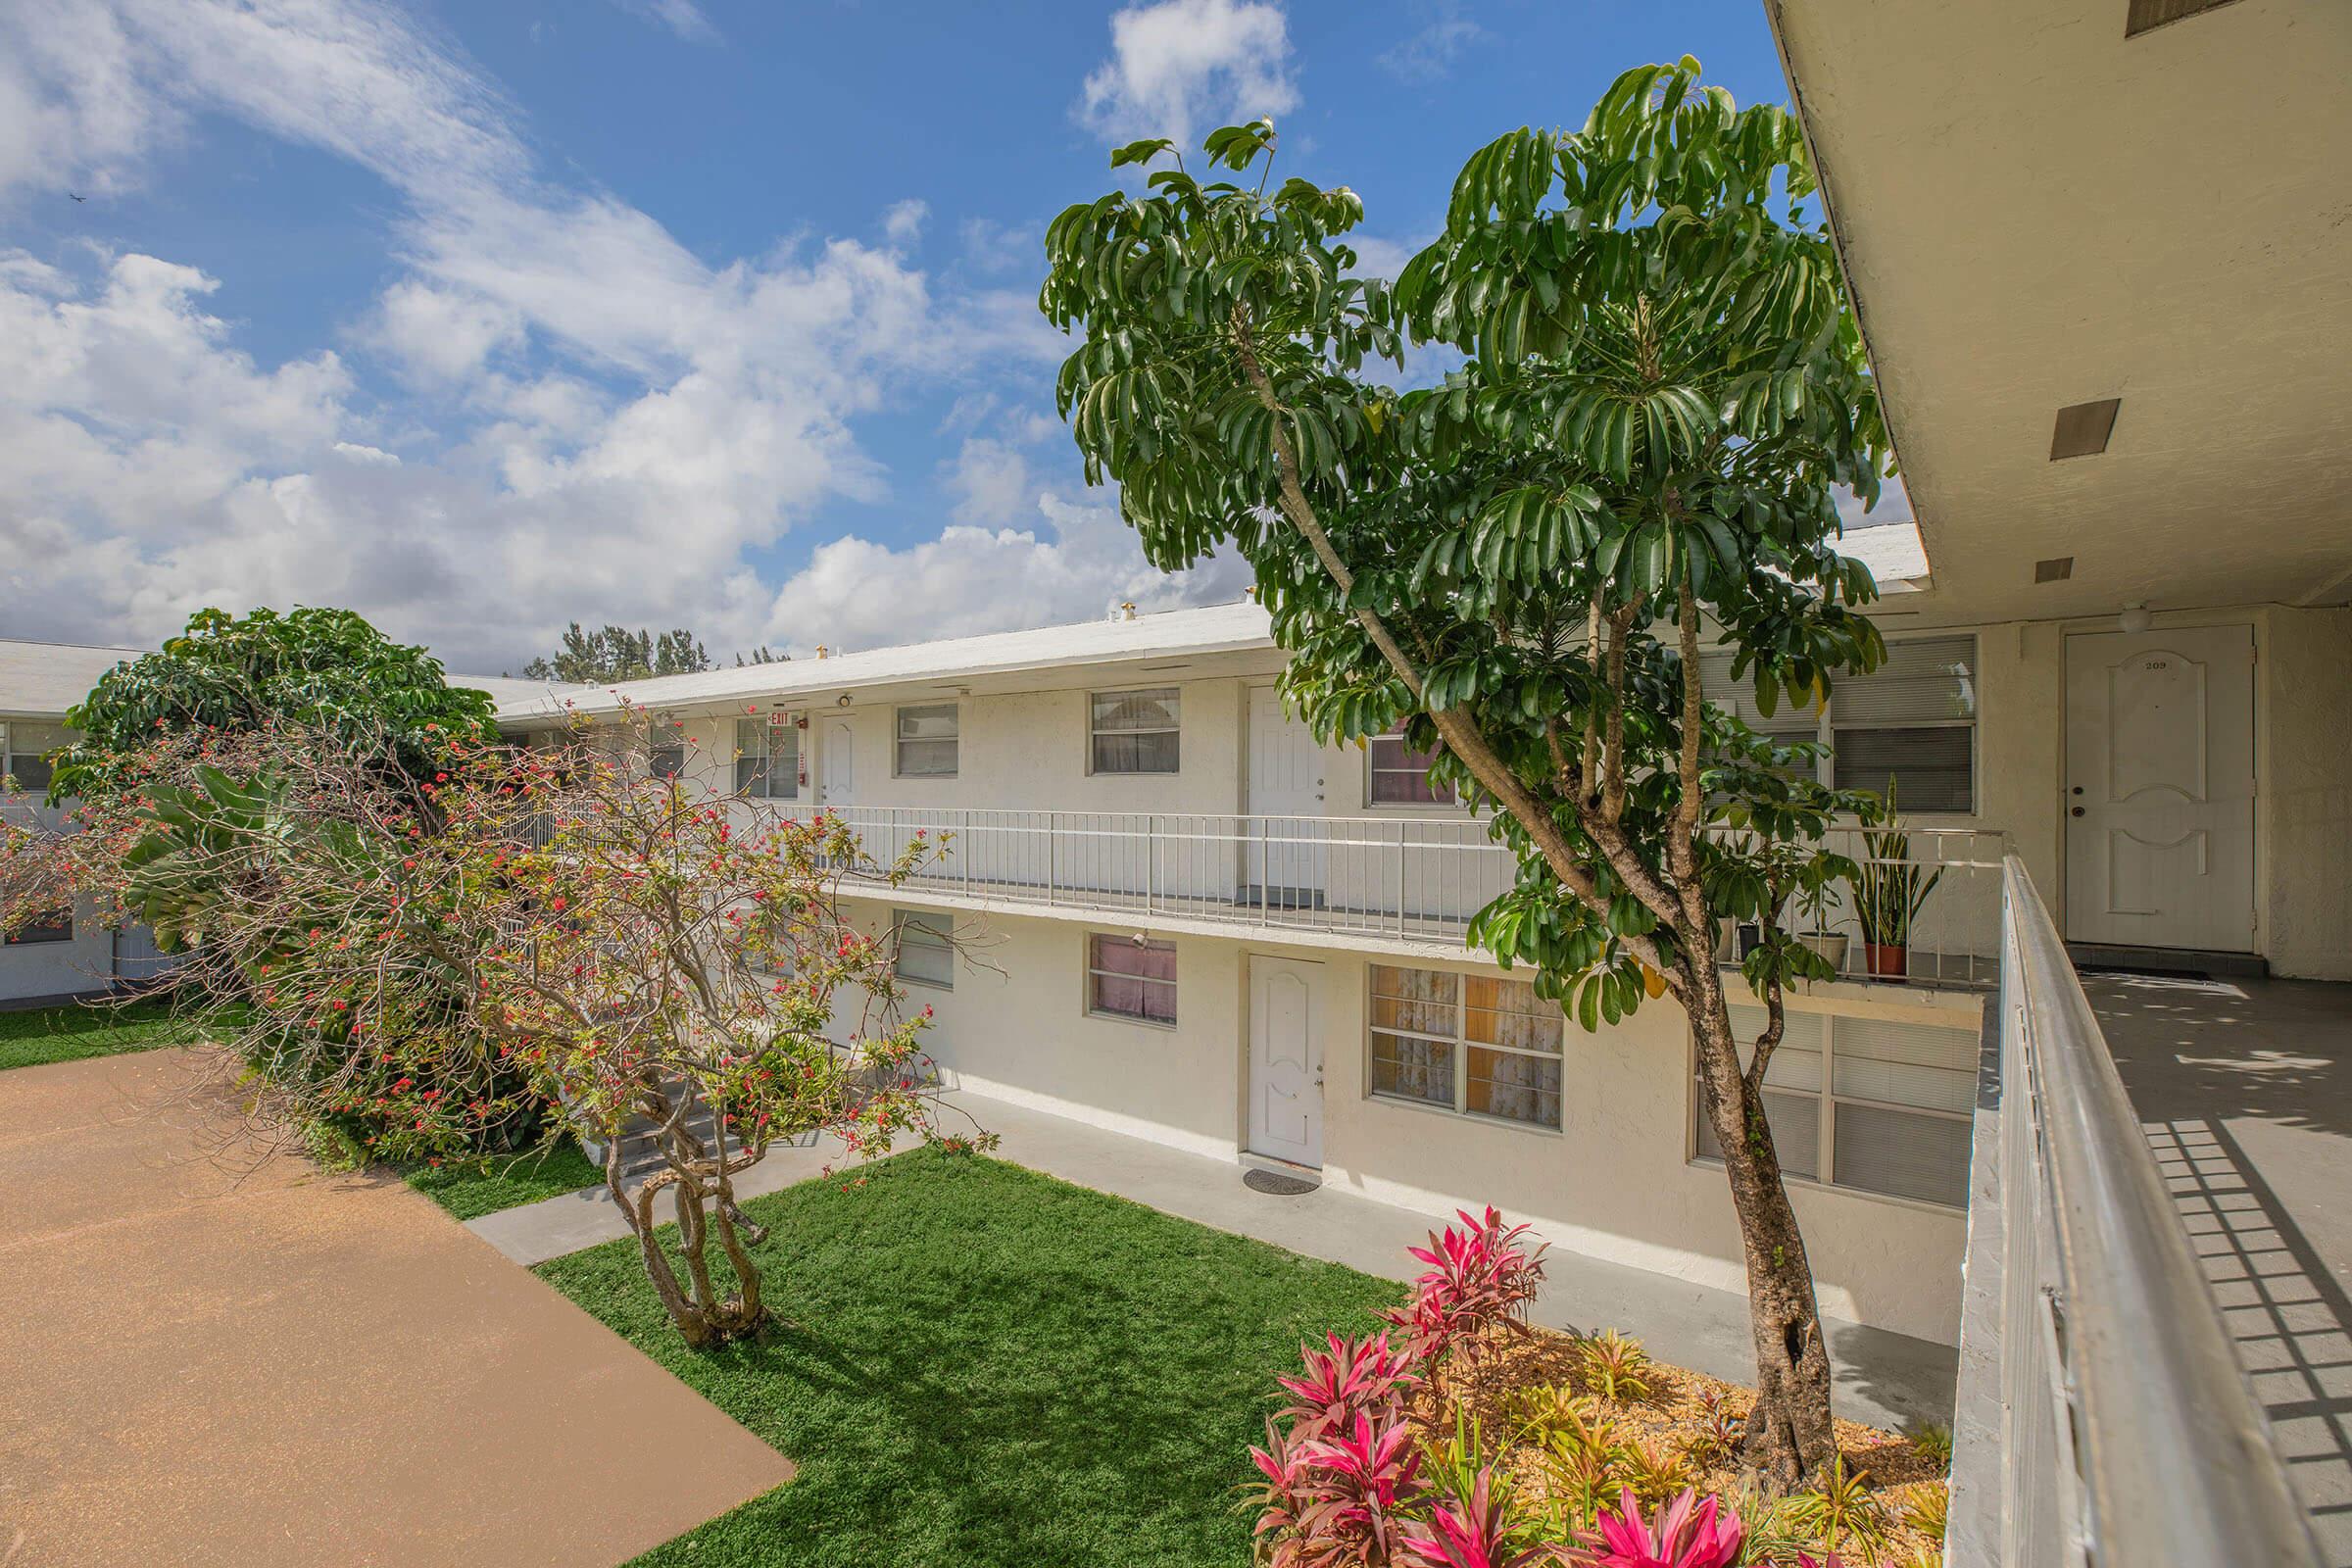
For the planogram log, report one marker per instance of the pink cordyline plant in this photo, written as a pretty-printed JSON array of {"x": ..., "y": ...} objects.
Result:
[
  {"x": 1348, "y": 1377},
  {"x": 1338, "y": 1502},
  {"x": 1473, "y": 1531},
  {"x": 1478, "y": 1277},
  {"x": 1686, "y": 1534}
]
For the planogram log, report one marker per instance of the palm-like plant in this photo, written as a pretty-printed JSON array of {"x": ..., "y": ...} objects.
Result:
[
  {"x": 1686, "y": 1534},
  {"x": 1888, "y": 888}
]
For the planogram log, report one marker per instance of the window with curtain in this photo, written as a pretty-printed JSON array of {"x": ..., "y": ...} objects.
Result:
[
  {"x": 1913, "y": 720},
  {"x": 1867, "y": 1103},
  {"x": 1134, "y": 732},
  {"x": 927, "y": 740},
  {"x": 926, "y": 950},
  {"x": 1401, "y": 775},
  {"x": 24, "y": 747},
  {"x": 1479, "y": 1044},
  {"x": 1130, "y": 979},
  {"x": 767, "y": 758}
]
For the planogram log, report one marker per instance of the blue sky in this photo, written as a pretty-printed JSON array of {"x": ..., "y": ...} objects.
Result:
[{"x": 482, "y": 317}]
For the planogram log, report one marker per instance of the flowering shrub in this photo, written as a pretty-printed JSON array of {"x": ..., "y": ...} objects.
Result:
[
  {"x": 1479, "y": 1277},
  {"x": 1687, "y": 1534},
  {"x": 438, "y": 961}
]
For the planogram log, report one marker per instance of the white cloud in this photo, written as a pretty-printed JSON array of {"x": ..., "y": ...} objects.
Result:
[
  {"x": 993, "y": 247},
  {"x": 902, "y": 222},
  {"x": 1177, "y": 63},
  {"x": 1894, "y": 506},
  {"x": 855, "y": 592},
  {"x": 601, "y": 422},
  {"x": 1429, "y": 54},
  {"x": 990, "y": 481},
  {"x": 681, "y": 17}
]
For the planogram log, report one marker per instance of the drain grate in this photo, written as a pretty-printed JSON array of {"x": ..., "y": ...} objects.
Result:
[{"x": 1276, "y": 1182}]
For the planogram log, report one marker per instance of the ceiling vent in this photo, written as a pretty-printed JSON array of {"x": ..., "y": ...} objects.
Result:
[
  {"x": 2082, "y": 430},
  {"x": 2144, "y": 15},
  {"x": 2055, "y": 569}
]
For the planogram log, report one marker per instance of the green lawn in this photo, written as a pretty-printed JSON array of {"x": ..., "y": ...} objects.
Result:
[
  {"x": 72, "y": 1032},
  {"x": 984, "y": 1366},
  {"x": 472, "y": 1187}
]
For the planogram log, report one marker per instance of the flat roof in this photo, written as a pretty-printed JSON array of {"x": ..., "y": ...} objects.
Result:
[
  {"x": 1891, "y": 551},
  {"x": 41, "y": 680},
  {"x": 1168, "y": 635}
]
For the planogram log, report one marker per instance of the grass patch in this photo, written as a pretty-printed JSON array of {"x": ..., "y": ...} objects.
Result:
[
  {"x": 71, "y": 1033},
  {"x": 472, "y": 1187},
  {"x": 983, "y": 1367}
]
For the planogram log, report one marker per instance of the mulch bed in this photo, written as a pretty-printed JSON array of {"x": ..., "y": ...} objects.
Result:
[{"x": 1673, "y": 1419}]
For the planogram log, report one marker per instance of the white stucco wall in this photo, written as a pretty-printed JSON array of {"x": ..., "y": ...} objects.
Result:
[
  {"x": 59, "y": 968},
  {"x": 2303, "y": 769},
  {"x": 1015, "y": 1026},
  {"x": 2303, "y": 812},
  {"x": 1616, "y": 1182}
]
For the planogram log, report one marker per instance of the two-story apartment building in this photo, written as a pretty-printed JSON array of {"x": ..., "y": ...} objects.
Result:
[
  {"x": 69, "y": 954},
  {"x": 1188, "y": 922}
]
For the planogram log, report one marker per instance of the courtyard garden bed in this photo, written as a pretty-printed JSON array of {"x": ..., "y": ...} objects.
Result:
[
  {"x": 101, "y": 1029},
  {"x": 979, "y": 1365}
]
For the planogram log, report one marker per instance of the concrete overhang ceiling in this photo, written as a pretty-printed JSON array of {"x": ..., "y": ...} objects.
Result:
[{"x": 2039, "y": 213}]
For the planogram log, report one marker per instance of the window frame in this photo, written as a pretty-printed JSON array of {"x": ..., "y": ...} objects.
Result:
[
  {"x": 41, "y": 933},
  {"x": 1825, "y": 728},
  {"x": 901, "y": 920},
  {"x": 1089, "y": 973},
  {"x": 1462, "y": 1045},
  {"x": 1827, "y": 1099},
  {"x": 769, "y": 725},
  {"x": 1175, "y": 697},
  {"x": 1452, "y": 802},
  {"x": 9, "y": 753},
  {"x": 899, "y": 740}
]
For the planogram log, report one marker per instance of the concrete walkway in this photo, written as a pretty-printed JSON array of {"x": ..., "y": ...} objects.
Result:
[
  {"x": 214, "y": 1355},
  {"x": 1884, "y": 1379},
  {"x": 2245, "y": 1086}
]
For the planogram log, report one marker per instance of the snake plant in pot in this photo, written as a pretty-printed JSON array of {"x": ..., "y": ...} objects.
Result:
[{"x": 1888, "y": 891}]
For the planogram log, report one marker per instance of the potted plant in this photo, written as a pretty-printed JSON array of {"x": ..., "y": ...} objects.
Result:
[
  {"x": 1888, "y": 891},
  {"x": 1813, "y": 900}
]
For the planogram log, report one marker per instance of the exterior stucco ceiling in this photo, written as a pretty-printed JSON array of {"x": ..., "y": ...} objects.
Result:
[{"x": 2037, "y": 212}]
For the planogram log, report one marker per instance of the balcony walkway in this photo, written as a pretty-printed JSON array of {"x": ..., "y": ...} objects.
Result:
[
  {"x": 1888, "y": 1380},
  {"x": 2245, "y": 1091}
]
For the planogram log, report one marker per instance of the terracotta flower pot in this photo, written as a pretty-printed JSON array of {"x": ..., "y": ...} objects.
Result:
[{"x": 1888, "y": 961}]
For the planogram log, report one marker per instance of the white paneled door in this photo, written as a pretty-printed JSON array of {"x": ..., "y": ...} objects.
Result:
[
  {"x": 1286, "y": 1061},
  {"x": 1285, "y": 852},
  {"x": 2159, "y": 788},
  {"x": 840, "y": 763}
]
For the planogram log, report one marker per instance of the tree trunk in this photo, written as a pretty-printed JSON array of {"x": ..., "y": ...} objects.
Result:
[{"x": 1789, "y": 1433}]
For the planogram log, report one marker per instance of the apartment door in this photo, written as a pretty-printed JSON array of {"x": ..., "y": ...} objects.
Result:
[
  {"x": 2159, "y": 788},
  {"x": 1286, "y": 1061},
  {"x": 1283, "y": 849},
  {"x": 840, "y": 763}
]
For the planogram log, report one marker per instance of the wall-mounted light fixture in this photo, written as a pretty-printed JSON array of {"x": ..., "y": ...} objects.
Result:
[
  {"x": 843, "y": 701},
  {"x": 2135, "y": 619}
]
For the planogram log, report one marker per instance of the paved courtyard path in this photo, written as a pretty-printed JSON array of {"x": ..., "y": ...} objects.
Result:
[{"x": 208, "y": 1357}]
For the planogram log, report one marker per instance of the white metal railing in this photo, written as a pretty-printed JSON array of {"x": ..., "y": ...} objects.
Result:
[
  {"x": 2103, "y": 1418},
  {"x": 1410, "y": 878}
]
